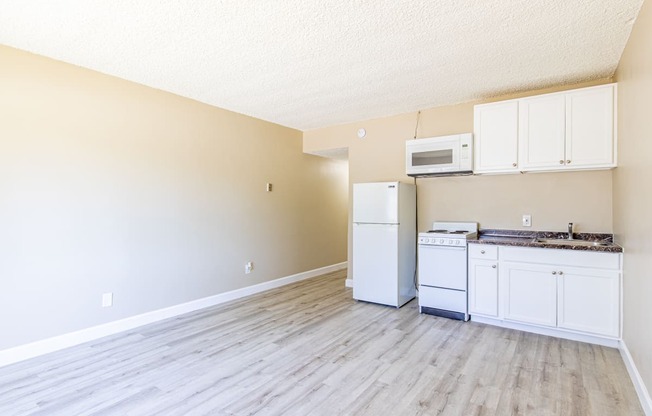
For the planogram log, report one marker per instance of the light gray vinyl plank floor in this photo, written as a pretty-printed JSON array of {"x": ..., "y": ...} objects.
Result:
[{"x": 310, "y": 349}]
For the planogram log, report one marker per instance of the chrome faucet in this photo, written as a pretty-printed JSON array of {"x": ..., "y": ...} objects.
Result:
[{"x": 570, "y": 230}]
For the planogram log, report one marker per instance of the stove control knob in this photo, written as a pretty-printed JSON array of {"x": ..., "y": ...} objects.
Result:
[
  {"x": 457, "y": 242},
  {"x": 450, "y": 241},
  {"x": 441, "y": 241}
]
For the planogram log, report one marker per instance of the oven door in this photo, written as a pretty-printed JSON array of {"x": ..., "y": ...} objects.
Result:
[{"x": 441, "y": 266}]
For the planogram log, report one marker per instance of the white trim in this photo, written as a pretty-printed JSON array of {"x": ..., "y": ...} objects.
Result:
[
  {"x": 639, "y": 385},
  {"x": 348, "y": 283},
  {"x": 34, "y": 349},
  {"x": 553, "y": 332}
]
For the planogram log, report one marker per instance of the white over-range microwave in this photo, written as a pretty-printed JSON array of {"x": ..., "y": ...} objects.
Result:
[{"x": 440, "y": 156}]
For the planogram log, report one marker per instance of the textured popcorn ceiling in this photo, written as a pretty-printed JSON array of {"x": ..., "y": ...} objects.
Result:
[{"x": 309, "y": 64}]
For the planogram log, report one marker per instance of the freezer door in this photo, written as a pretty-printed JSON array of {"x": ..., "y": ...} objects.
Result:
[
  {"x": 375, "y": 263},
  {"x": 441, "y": 266},
  {"x": 376, "y": 203}
]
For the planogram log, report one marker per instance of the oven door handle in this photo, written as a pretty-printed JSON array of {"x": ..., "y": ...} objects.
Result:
[{"x": 428, "y": 246}]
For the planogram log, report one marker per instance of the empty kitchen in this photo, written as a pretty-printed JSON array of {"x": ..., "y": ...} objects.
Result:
[{"x": 341, "y": 208}]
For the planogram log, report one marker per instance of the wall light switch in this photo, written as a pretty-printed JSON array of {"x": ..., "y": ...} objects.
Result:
[
  {"x": 269, "y": 187},
  {"x": 527, "y": 220},
  {"x": 107, "y": 299}
]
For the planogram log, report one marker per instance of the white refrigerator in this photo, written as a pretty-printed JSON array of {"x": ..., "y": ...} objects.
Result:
[{"x": 384, "y": 242}]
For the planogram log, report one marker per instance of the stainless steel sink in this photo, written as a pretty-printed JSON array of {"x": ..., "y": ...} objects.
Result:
[{"x": 561, "y": 241}]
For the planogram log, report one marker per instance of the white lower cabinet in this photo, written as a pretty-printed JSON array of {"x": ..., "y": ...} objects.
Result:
[
  {"x": 564, "y": 291},
  {"x": 589, "y": 300},
  {"x": 483, "y": 287},
  {"x": 530, "y": 293}
]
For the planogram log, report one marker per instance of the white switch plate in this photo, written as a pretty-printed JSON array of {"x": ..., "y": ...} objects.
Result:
[
  {"x": 107, "y": 299},
  {"x": 268, "y": 187},
  {"x": 527, "y": 220},
  {"x": 249, "y": 266}
]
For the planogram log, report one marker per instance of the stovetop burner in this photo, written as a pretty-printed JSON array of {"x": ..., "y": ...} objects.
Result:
[{"x": 448, "y": 232}]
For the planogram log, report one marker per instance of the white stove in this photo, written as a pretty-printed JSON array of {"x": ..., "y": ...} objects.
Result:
[
  {"x": 443, "y": 269},
  {"x": 449, "y": 234}
]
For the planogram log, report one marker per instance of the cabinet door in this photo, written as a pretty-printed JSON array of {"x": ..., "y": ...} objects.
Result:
[
  {"x": 542, "y": 133},
  {"x": 529, "y": 293},
  {"x": 483, "y": 287},
  {"x": 589, "y": 301},
  {"x": 590, "y": 138},
  {"x": 496, "y": 137}
]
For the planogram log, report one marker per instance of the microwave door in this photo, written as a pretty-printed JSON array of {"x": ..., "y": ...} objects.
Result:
[{"x": 443, "y": 158}]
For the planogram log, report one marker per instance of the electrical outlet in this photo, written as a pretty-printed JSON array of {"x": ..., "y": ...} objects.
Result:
[
  {"x": 249, "y": 266},
  {"x": 107, "y": 299},
  {"x": 527, "y": 220}
]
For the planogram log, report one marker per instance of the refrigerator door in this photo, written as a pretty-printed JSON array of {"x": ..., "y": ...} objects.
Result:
[
  {"x": 375, "y": 203},
  {"x": 375, "y": 263}
]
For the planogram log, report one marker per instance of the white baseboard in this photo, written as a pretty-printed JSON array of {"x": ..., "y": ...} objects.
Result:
[
  {"x": 639, "y": 385},
  {"x": 553, "y": 332},
  {"x": 348, "y": 283},
  {"x": 35, "y": 349}
]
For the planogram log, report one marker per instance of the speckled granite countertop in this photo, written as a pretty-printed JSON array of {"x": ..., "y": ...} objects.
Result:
[{"x": 518, "y": 238}]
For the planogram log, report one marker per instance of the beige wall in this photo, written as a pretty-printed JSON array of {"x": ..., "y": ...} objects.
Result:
[
  {"x": 632, "y": 195},
  {"x": 495, "y": 201},
  {"x": 109, "y": 186},
  {"x": 553, "y": 199}
]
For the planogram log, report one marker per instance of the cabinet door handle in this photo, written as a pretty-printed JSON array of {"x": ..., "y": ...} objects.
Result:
[
  {"x": 561, "y": 162},
  {"x": 514, "y": 164},
  {"x": 554, "y": 272},
  {"x": 560, "y": 272},
  {"x": 481, "y": 251},
  {"x": 493, "y": 267},
  {"x": 568, "y": 162}
]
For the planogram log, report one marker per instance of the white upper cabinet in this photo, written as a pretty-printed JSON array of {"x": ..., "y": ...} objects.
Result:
[
  {"x": 496, "y": 137},
  {"x": 590, "y": 128},
  {"x": 569, "y": 130},
  {"x": 542, "y": 133}
]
